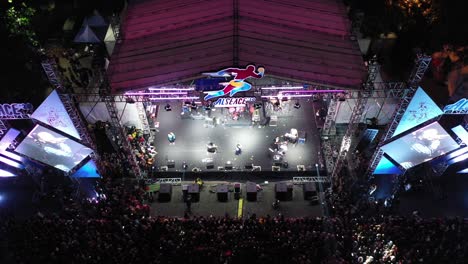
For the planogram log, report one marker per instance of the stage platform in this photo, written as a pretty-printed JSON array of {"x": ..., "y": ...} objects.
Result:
[
  {"x": 193, "y": 132},
  {"x": 208, "y": 203}
]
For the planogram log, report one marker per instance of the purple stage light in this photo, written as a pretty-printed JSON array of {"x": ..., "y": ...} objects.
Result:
[
  {"x": 283, "y": 88},
  {"x": 458, "y": 159},
  {"x": 158, "y": 93},
  {"x": 175, "y": 98},
  {"x": 6, "y": 174},
  {"x": 457, "y": 153},
  {"x": 168, "y": 93},
  {"x": 313, "y": 91},
  {"x": 288, "y": 96},
  {"x": 11, "y": 163},
  {"x": 171, "y": 89}
]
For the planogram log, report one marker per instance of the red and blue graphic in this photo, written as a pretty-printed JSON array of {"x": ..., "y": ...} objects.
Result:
[{"x": 238, "y": 84}]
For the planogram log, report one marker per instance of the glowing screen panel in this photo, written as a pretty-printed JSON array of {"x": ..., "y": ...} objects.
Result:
[
  {"x": 53, "y": 113},
  {"x": 89, "y": 170},
  {"x": 385, "y": 166},
  {"x": 461, "y": 132},
  {"x": 53, "y": 149},
  {"x": 420, "y": 146},
  {"x": 420, "y": 109}
]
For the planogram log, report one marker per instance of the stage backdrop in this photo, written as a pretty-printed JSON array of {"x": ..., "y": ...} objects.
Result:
[
  {"x": 99, "y": 113},
  {"x": 381, "y": 108}
]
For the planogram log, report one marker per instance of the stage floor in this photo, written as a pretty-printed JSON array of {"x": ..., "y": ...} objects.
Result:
[{"x": 193, "y": 135}]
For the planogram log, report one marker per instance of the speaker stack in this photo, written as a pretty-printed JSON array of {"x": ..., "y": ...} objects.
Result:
[
  {"x": 251, "y": 189},
  {"x": 194, "y": 191},
  {"x": 165, "y": 192},
  {"x": 222, "y": 192},
  {"x": 283, "y": 191}
]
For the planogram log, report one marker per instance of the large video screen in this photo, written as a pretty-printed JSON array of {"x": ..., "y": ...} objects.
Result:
[
  {"x": 53, "y": 149},
  {"x": 420, "y": 146},
  {"x": 420, "y": 109}
]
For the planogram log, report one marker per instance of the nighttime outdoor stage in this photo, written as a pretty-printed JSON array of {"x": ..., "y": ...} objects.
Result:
[{"x": 193, "y": 132}]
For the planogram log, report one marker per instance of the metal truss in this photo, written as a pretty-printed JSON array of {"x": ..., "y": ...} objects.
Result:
[
  {"x": 173, "y": 181},
  {"x": 330, "y": 118},
  {"x": 49, "y": 67},
  {"x": 77, "y": 121},
  {"x": 142, "y": 116},
  {"x": 118, "y": 132},
  {"x": 456, "y": 112},
  {"x": 300, "y": 180},
  {"x": 356, "y": 117},
  {"x": 3, "y": 128},
  {"x": 421, "y": 65}
]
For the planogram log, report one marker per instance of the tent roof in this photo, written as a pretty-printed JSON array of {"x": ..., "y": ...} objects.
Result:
[
  {"x": 96, "y": 20},
  {"x": 86, "y": 35},
  {"x": 172, "y": 41}
]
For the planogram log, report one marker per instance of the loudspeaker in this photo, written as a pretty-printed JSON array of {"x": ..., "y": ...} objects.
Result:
[
  {"x": 237, "y": 191},
  {"x": 171, "y": 164},
  {"x": 309, "y": 190},
  {"x": 210, "y": 165},
  {"x": 194, "y": 191},
  {"x": 248, "y": 166},
  {"x": 283, "y": 191},
  {"x": 165, "y": 192},
  {"x": 251, "y": 189},
  {"x": 222, "y": 192}
]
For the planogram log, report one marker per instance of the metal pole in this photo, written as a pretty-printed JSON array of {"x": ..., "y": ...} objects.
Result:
[{"x": 323, "y": 201}]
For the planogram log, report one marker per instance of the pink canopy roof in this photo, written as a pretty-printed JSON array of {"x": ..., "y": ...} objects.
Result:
[{"x": 173, "y": 41}]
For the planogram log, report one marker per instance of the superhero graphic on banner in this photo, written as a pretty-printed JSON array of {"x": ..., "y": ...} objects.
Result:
[{"x": 236, "y": 85}]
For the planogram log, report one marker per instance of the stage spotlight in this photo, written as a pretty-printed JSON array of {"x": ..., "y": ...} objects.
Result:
[
  {"x": 297, "y": 105},
  {"x": 168, "y": 107}
]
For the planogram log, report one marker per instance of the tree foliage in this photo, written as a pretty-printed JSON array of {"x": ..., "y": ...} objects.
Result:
[{"x": 18, "y": 22}]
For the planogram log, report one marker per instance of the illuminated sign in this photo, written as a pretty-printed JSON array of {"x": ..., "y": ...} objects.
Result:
[
  {"x": 237, "y": 84},
  {"x": 15, "y": 111},
  {"x": 460, "y": 107},
  {"x": 233, "y": 102}
]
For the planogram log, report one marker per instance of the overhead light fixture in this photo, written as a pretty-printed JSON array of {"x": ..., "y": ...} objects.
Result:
[{"x": 297, "y": 105}]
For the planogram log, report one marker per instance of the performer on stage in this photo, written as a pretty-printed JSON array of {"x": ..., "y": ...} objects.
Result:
[
  {"x": 171, "y": 137},
  {"x": 238, "y": 149}
]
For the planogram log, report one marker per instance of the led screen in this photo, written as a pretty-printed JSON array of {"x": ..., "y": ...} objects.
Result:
[
  {"x": 420, "y": 109},
  {"x": 53, "y": 149},
  {"x": 53, "y": 113},
  {"x": 89, "y": 170},
  {"x": 385, "y": 166},
  {"x": 461, "y": 133},
  {"x": 421, "y": 145}
]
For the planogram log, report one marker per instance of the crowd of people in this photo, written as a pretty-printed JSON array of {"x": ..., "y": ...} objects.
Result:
[
  {"x": 143, "y": 150},
  {"x": 116, "y": 227}
]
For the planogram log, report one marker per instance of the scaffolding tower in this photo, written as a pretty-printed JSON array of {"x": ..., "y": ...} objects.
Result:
[
  {"x": 421, "y": 65},
  {"x": 356, "y": 118}
]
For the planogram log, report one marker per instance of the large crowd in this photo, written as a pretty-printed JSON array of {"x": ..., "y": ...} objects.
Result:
[{"x": 116, "y": 227}]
